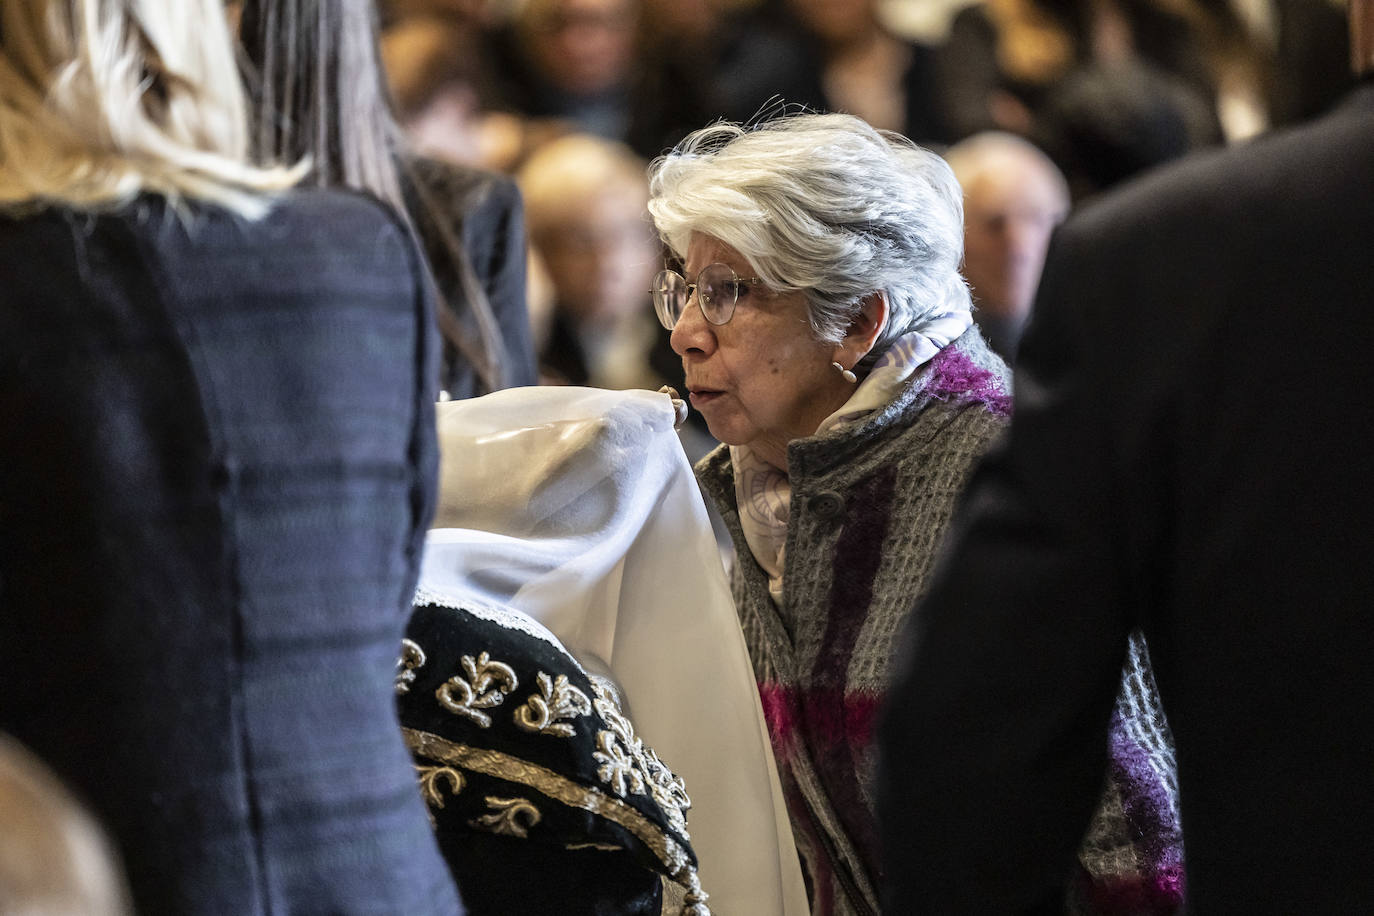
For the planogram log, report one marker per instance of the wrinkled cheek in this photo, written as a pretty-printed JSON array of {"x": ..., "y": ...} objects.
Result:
[{"x": 726, "y": 421}]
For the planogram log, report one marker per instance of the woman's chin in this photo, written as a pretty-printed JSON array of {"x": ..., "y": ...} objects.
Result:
[{"x": 722, "y": 431}]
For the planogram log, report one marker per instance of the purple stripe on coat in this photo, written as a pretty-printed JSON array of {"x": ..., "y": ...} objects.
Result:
[
  {"x": 954, "y": 375},
  {"x": 858, "y": 555},
  {"x": 1156, "y": 888},
  {"x": 1146, "y": 801}
]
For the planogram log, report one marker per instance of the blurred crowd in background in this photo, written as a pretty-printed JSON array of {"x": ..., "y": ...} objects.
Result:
[
  {"x": 528, "y": 127},
  {"x": 1041, "y": 104}
]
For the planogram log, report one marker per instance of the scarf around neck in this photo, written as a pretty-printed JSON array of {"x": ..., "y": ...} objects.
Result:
[{"x": 764, "y": 493}]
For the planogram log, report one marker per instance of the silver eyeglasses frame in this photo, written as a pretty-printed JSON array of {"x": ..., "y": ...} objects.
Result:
[{"x": 717, "y": 308}]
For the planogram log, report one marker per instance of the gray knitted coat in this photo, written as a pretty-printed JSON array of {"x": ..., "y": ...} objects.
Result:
[{"x": 869, "y": 508}]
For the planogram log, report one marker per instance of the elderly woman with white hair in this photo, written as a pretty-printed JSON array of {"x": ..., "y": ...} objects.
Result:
[{"x": 827, "y": 338}]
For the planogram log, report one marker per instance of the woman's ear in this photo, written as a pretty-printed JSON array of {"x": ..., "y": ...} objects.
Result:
[{"x": 863, "y": 330}]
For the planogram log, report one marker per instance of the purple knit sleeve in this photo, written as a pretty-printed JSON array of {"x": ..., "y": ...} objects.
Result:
[{"x": 1132, "y": 858}]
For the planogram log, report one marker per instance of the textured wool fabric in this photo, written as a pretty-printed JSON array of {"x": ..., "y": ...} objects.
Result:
[
  {"x": 217, "y": 465},
  {"x": 1131, "y": 860},
  {"x": 869, "y": 507},
  {"x": 763, "y": 492}
]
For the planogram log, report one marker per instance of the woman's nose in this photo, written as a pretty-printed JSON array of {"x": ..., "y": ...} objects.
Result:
[{"x": 693, "y": 333}]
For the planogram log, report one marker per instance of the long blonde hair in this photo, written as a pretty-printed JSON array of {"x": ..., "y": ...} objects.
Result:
[{"x": 101, "y": 100}]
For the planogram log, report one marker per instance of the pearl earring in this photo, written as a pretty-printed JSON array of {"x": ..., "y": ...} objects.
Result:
[{"x": 845, "y": 373}]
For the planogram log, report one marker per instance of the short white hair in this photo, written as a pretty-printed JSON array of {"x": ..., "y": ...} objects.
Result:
[
  {"x": 824, "y": 204},
  {"x": 101, "y": 100}
]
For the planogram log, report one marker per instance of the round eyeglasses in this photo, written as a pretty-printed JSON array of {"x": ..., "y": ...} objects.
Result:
[{"x": 718, "y": 288}]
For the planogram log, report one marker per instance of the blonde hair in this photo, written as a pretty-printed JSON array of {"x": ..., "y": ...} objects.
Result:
[{"x": 101, "y": 100}]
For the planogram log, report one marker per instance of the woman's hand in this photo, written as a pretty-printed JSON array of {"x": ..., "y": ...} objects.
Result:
[{"x": 679, "y": 405}]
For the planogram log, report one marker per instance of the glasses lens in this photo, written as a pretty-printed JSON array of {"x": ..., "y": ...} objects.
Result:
[
  {"x": 670, "y": 297},
  {"x": 718, "y": 287}
]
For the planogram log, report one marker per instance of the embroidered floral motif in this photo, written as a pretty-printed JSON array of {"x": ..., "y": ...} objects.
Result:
[
  {"x": 646, "y": 774},
  {"x": 412, "y": 657},
  {"x": 508, "y": 817},
  {"x": 609, "y": 710},
  {"x": 618, "y": 769},
  {"x": 469, "y": 697},
  {"x": 669, "y": 790},
  {"x": 557, "y": 700},
  {"x": 429, "y": 786}
]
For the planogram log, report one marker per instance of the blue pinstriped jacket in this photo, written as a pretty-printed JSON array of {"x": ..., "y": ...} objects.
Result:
[{"x": 217, "y": 464}]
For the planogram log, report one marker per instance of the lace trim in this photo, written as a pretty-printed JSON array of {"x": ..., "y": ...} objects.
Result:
[{"x": 501, "y": 614}]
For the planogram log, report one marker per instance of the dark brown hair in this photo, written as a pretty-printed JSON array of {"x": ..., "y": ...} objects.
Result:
[{"x": 317, "y": 89}]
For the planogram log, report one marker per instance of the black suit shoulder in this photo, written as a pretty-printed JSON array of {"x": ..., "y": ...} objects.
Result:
[
  {"x": 1270, "y": 233},
  {"x": 1202, "y": 338},
  {"x": 1188, "y": 395},
  {"x": 1326, "y": 161}
]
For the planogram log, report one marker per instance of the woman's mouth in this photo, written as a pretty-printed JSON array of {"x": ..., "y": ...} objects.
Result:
[{"x": 703, "y": 396}]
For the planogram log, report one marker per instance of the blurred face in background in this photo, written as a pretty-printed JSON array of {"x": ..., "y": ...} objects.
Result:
[
  {"x": 1010, "y": 210},
  {"x": 600, "y": 255},
  {"x": 836, "y": 22},
  {"x": 682, "y": 21},
  {"x": 472, "y": 10},
  {"x": 581, "y": 46}
]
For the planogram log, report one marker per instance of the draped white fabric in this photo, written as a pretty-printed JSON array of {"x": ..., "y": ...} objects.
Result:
[{"x": 578, "y": 507}]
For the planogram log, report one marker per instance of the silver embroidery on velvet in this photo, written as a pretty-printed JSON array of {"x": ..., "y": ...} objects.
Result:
[{"x": 485, "y": 686}]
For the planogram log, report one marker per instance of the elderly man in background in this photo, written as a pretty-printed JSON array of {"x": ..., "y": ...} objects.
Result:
[{"x": 1014, "y": 196}]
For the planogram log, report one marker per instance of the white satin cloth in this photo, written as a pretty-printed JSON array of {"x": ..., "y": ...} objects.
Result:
[{"x": 577, "y": 506}]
